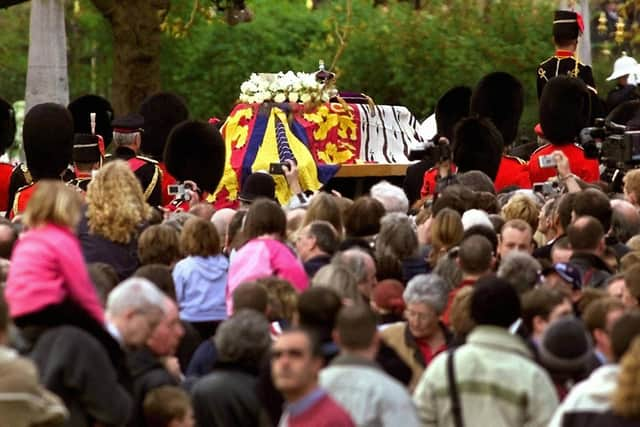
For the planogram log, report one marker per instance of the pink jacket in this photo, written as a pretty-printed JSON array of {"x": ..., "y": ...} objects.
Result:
[
  {"x": 264, "y": 257},
  {"x": 47, "y": 267}
]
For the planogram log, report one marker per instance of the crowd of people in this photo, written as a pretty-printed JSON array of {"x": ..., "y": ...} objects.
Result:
[{"x": 465, "y": 298}]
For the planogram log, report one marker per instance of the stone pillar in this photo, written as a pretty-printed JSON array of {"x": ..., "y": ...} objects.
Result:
[
  {"x": 47, "y": 79},
  {"x": 584, "y": 47}
]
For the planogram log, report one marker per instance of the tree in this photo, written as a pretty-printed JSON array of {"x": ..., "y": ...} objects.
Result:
[{"x": 137, "y": 41}]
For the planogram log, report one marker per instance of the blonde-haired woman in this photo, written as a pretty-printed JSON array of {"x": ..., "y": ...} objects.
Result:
[
  {"x": 446, "y": 231},
  {"x": 115, "y": 216},
  {"x": 48, "y": 282}
]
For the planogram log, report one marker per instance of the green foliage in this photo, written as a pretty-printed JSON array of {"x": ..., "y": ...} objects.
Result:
[
  {"x": 412, "y": 58},
  {"x": 90, "y": 58},
  {"x": 14, "y": 49},
  {"x": 396, "y": 57},
  {"x": 209, "y": 64}
]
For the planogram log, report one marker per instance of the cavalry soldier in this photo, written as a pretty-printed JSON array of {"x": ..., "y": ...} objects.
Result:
[
  {"x": 127, "y": 132},
  {"x": 567, "y": 27}
]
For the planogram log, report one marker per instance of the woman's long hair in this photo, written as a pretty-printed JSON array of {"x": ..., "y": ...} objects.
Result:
[{"x": 116, "y": 203}]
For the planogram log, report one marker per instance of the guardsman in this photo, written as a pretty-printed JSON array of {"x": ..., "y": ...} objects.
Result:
[
  {"x": 47, "y": 136},
  {"x": 127, "y": 139},
  {"x": 93, "y": 114},
  {"x": 477, "y": 145},
  {"x": 564, "y": 112},
  {"x": 567, "y": 27},
  {"x": 7, "y": 135},
  {"x": 87, "y": 159},
  {"x": 195, "y": 155},
  {"x": 513, "y": 171},
  {"x": 499, "y": 97},
  {"x": 450, "y": 108},
  {"x": 161, "y": 112}
]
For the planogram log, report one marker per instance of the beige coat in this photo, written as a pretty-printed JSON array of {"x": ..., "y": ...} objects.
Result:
[{"x": 23, "y": 401}]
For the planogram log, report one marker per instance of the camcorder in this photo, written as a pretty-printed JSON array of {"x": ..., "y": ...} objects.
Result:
[{"x": 616, "y": 146}]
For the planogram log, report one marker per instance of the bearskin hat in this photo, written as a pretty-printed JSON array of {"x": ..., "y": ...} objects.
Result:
[
  {"x": 48, "y": 139},
  {"x": 451, "y": 107},
  {"x": 7, "y": 125},
  {"x": 565, "y": 26},
  {"x": 195, "y": 151},
  {"x": 500, "y": 97},
  {"x": 565, "y": 109},
  {"x": 83, "y": 106},
  {"x": 477, "y": 145},
  {"x": 161, "y": 112}
]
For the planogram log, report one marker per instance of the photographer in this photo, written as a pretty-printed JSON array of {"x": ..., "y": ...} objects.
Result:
[
  {"x": 442, "y": 174},
  {"x": 450, "y": 108}
]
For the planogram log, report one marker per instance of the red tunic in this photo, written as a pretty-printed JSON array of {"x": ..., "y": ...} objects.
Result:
[
  {"x": 167, "y": 180},
  {"x": 20, "y": 201},
  {"x": 5, "y": 179},
  {"x": 586, "y": 169},
  {"x": 430, "y": 178},
  {"x": 512, "y": 171}
]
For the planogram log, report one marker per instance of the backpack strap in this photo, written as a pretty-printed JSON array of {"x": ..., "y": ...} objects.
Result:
[{"x": 456, "y": 407}]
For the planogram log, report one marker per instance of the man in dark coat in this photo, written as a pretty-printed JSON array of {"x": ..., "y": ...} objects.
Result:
[
  {"x": 226, "y": 396},
  {"x": 75, "y": 366},
  {"x": 154, "y": 365}
]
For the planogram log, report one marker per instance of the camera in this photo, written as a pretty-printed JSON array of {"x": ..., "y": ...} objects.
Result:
[
  {"x": 547, "y": 188},
  {"x": 277, "y": 168},
  {"x": 179, "y": 191},
  {"x": 547, "y": 161}
]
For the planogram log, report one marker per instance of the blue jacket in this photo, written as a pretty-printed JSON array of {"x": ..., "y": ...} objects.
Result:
[{"x": 200, "y": 288}]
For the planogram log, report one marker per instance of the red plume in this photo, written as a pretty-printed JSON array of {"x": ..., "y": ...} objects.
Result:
[{"x": 580, "y": 22}]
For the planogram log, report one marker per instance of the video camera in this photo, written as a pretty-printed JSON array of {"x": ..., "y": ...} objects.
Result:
[{"x": 615, "y": 145}]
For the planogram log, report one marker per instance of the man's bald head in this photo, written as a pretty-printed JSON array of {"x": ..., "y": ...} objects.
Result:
[
  {"x": 586, "y": 234},
  {"x": 625, "y": 220}
]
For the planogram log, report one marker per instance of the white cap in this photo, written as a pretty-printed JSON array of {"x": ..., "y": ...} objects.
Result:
[
  {"x": 625, "y": 65},
  {"x": 475, "y": 217}
]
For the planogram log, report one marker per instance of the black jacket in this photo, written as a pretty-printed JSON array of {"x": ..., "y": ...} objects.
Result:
[
  {"x": 227, "y": 397},
  {"x": 147, "y": 373},
  {"x": 597, "y": 419},
  {"x": 74, "y": 365},
  {"x": 95, "y": 248},
  {"x": 593, "y": 270}
]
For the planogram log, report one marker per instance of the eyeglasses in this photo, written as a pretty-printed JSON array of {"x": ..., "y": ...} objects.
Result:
[{"x": 294, "y": 353}]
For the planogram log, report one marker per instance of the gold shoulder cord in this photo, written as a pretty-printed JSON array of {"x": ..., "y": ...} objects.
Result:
[
  {"x": 14, "y": 208},
  {"x": 152, "y": 184}
]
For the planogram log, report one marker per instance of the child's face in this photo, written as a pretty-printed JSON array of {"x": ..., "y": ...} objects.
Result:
[{"x": 186, "y": 421}]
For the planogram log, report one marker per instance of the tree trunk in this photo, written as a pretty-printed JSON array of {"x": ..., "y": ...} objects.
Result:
[
  {"x": 137, "y": 39},
  {"x": 47, "y": 79}
]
